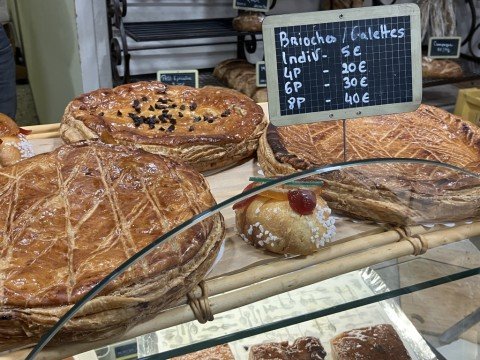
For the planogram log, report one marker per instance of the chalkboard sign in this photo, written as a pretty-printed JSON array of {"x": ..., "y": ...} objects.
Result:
[
  {"x": 261, "y": 74},
  {"x": 252, "y": 5},
  {"x": 343, "y": 64},
  {"x": 179, "y": 77},
  {"x": 444, "y": 47}
]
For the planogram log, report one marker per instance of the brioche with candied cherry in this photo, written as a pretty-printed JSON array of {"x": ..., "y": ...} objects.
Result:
[{"x": 283, "y": 221}]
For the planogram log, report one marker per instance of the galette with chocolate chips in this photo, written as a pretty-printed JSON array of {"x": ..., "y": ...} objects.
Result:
[{"x": 209, "y": 127}]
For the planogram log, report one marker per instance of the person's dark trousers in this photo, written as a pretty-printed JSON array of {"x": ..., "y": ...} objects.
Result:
[{"x": 8, "y": 93}]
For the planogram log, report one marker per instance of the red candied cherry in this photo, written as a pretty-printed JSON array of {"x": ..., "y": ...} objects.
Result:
[{"x": 302, "y": 201}]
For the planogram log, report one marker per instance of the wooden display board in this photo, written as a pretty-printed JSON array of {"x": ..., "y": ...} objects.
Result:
[{"x": 343, "y": 64}]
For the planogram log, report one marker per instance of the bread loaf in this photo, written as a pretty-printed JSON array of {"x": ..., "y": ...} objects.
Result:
[
  {"x": 260, "y": 95},
  {"x": 440, "y": 69},
  {"x": 241, "y": 69},
  {"x": 246, "y": 83},
  {"x": 241, "y": 76},
  {"x": 249, "y": 21},
  {"x": 225, "y": 66}
]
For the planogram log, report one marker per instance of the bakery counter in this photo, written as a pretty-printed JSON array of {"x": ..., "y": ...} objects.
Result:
[{"x": 371, "y": 274}]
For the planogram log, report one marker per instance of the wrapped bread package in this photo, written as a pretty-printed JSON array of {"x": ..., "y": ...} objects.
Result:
[{"x": 440, "y": 69}]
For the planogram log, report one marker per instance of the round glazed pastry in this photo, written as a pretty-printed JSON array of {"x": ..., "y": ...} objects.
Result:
[
  {"x": 250, "y": 21},
  {"x": 208, "y": 128},
  {"x": 13, "y": 144},
  {"x": 75, "y": 214},
  {"x": 285, "y": 221}
]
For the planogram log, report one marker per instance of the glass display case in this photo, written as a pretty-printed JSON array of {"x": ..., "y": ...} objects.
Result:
[{"x": 420, "y": 276}]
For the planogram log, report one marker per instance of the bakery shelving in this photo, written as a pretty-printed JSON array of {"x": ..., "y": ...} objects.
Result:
[
  {"x": 166, "y": 31},
  {"x": 222, "y": 27},
  {"x": 182, "y": 29},
  {"x": 470, "y": 63}
]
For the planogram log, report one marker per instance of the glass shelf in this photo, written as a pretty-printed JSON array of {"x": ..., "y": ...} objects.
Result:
[{"x": 339, "y": 300}]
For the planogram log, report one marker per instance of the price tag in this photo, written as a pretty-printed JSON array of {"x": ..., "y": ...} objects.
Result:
[
  {"x": 179, "y": 77},
  {"x": 126, "y": 351},
  {"x": 343, "y": 64},
  {"x": 252, "y": 5},
  {"x": 261, "y": 74},
  {"x": 444, "y": 47}
]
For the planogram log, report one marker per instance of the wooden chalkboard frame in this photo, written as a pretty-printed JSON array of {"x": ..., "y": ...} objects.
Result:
[
  {"x": 456, "y": 56},
  {"x": 272, "y": 22},
  {"x": 269, "y": 4},
  {"x": 194, "y": 71},
  {"x": 257, "y": 77}
]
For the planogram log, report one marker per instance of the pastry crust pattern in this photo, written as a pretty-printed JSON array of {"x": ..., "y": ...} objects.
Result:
[
  {"x": 70, "y": 217},
  {"x": 209, "y": 128},
  {"x": 394, "y": 193}
]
